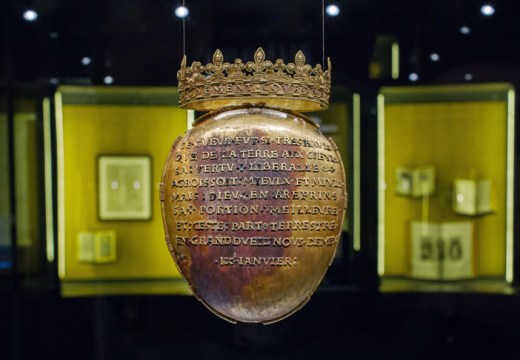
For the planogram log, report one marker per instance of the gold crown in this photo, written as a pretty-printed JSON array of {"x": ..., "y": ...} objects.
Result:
[{"x": 295, "y": 86}]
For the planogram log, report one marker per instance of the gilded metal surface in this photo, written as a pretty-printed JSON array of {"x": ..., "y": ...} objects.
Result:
[
  {"x": 297, "y": 86},
  {"x": 253, "y": 200}
]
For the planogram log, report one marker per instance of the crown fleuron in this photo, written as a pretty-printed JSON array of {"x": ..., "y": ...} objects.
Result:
[{"x": 295, "y": 86}]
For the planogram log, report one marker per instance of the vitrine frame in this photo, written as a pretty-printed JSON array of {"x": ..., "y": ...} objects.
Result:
[{"x": 454, "y": 93}]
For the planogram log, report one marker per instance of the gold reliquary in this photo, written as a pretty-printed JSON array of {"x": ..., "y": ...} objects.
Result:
[{"x": 253, "y": 196}]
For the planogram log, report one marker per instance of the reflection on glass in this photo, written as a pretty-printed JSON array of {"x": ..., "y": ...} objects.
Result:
[
  {"x": 465, "y": 30},
  {"x": 181, "y": 12},
  {"x": 487, "y": 10},
  {"x": 332, "y": 10},
  {"x": 30, "y": 15},
  {"x": 5, "y": 209}
]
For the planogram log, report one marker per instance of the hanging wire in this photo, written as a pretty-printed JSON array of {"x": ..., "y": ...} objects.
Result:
[
  {"x": 323, "y": 32},
  {"x": 184, "y": 31}
]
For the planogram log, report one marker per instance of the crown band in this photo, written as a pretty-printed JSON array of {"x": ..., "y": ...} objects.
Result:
[{"x": 295, "y": 86}]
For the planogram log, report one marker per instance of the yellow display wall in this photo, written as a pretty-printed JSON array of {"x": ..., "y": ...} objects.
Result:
[
  {"x": 462, "y": 138},
  {"x": 137, "y": 122}
]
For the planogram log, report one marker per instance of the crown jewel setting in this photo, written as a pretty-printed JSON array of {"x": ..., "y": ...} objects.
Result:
[{"x": 296, "y": 86}]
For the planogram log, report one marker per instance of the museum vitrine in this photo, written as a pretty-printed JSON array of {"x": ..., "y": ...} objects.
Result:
[
  {"x": 111, "y": 144},
  {"x": 341, "y": 122},
  {"x": 445, "y": 197},
  {"x": 24, "y": 246},
  {"x": 5, "y": 190}
]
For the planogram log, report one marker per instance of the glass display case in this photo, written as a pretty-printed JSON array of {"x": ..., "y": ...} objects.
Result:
[
  {"x": 341, "y": 122},
  {"x": 24, "y": 182},
  {"x": 445, "y": 203},
  {"x": 111, "y": 144},
  {"x": 5, "y": 191}
]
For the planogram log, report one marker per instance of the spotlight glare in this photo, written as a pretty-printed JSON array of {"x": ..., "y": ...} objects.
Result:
[
  {"x": 181, "y": 12},
  {"x": 487, "y": 10},
  {"x": 108, "y": 80},
  {"x": 465, "y": 30},
  {"x": 30, "y": 15},
  {"x": 413, "y": 77},
  {"x": 434, "y": 57},
  {"x": 86, "y": 61},
  {"x": 332, "y": 10}
]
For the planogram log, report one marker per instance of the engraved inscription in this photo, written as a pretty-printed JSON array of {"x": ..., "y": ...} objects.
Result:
[{"x": 259, "y": 192}]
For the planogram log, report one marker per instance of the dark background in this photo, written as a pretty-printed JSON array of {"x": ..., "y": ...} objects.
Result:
[{"x": 139, "y": 42}]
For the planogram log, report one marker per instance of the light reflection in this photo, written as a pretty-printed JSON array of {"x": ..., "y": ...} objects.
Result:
[
  {"x": 108, "y": 80},
  {"x": 413, "y": 77},
  {"x": 30, "y": 15},
  {"x": 465, "y": 30},
  {"x": 434, "y": 57},
  {"x": 487, "y": 10},
  {"x": 181, "y": 12},
  {"x": 332, "y": 10},
  {"x": 86, "y": 61},
  {"x": 468, "y": 77}
]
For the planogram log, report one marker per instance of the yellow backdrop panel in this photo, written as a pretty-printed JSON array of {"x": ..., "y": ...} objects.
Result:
[
  {"x": 461, "y": 140},
  {"x": 91, "y": 130}
]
